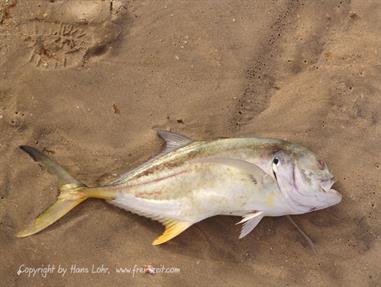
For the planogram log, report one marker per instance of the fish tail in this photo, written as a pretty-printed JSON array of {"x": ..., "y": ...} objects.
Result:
[{"x": 72, "y": 193}]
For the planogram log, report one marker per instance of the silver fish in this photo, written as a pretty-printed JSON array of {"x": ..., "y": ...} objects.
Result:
[{"x": 193, "y": 180}]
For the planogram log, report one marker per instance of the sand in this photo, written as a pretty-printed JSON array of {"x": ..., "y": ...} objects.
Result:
[{"x": 87, "y": 81}]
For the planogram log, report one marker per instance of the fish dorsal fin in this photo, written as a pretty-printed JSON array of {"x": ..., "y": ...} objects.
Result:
[
  {"x": 172, "y": 140},
  {"x": 172, "y": 229},
  {"x": 250, "y": 221}
]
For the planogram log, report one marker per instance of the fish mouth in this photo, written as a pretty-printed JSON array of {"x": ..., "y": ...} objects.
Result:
[{"x": 326, "y": 184}]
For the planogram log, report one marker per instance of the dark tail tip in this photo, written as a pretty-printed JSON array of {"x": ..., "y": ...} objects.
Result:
[
  {"x": 32, "y": 152},
  {"x": 23, "y": 147}
]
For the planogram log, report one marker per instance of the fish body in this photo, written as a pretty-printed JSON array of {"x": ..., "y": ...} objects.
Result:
[
  {"x": 191, "y": 181},
  {"x": 205, "y": 179}
]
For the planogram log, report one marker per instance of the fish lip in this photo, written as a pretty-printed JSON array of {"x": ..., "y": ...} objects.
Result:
[
  {"x": 333, "y": 197},
  {"x": 338, "y": 194}
]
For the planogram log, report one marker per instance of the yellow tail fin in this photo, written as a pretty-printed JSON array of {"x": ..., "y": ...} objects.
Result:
[{"x": 71, "y": 193}]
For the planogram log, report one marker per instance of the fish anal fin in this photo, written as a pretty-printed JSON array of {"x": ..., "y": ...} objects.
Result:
[{"x": 172, "y": 229}]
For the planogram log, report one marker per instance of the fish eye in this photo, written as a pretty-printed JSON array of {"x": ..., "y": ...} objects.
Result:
[{"x": 275, "y": 160}]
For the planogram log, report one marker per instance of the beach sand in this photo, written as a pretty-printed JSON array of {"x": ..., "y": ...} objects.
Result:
[{"x": 87, "y": 81}]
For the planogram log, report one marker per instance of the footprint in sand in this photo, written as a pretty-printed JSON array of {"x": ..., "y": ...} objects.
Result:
[{"x": 65, "y": 34}]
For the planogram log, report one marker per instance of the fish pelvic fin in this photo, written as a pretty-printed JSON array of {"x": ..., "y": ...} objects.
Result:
[
  {"x": 172, "y": 229},
  {"x": 71, "y": 193},
  {"x": 250, "y": 221}
]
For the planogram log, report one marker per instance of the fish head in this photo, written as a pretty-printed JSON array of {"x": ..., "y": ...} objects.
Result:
[{"x": 303, "y": 179}]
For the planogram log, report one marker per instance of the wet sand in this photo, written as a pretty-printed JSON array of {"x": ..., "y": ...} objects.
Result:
[{"x": 87, "y": 81}]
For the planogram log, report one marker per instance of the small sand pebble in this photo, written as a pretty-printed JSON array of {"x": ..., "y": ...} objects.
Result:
[
  {"x": 115, "y": 109},
  {"x": 177, "y": 57}
]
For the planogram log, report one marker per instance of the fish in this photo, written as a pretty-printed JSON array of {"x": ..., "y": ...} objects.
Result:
[{"x": 189, "y": 181}]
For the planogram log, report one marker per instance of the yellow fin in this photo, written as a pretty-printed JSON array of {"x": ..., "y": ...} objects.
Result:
[
  {"x": 71, "y": 193},
  {"x": 65, "y": 202},
  {"x": 172, "y": 229}
]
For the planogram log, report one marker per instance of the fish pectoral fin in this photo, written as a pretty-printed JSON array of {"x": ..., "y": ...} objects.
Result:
[
  {"x": 172, "y": 229},
  {"x": 240, "y": 164},
  {"x": 250, "y": 221}
]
